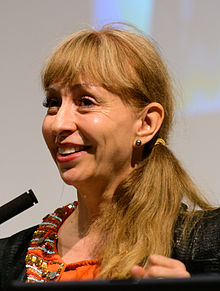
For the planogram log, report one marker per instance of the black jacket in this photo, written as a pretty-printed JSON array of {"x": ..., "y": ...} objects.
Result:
[
  {"x": 200, "y": 251},
  {"x": 12, "y": 256}
]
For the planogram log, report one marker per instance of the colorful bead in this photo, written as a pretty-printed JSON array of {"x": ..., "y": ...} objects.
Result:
[
  {"x": 53, "y": 236},
  {"x": 44, "y": 241},
  {"x": 38, "y": 233},
  {"x": 33, "y": 259},
  {"x": 44, "y": 274},
  {"x": 56, "y": 217},
  {"x": 60, "y": 267},
  {"x": 44, "y": 266},
  {"x": 52, "y": 275},
  {"x": 60, "y": 212},
  {"x": 38, "y": 262},
  {"x": 49, "y": 223},
  {"x": 41, "y": 240}
]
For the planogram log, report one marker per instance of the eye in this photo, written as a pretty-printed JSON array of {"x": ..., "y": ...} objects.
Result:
[
  {"x": 51, "y": 102},
  {"x": 86, "y": 101}
]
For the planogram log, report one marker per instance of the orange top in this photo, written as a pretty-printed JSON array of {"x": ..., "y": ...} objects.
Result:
[
  {"x": 43, "y": 263},
  {"x": 83, "y": 270}
]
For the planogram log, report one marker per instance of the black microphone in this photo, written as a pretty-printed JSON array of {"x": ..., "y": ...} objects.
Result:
[{"x": 17, "y": 205}]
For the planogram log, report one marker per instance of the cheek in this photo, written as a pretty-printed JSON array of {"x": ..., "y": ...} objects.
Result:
[
  {"x": 45, "y": 129},
  {"x": 92, "y": 128},
  {"x": 96, "y": 121},
  {"x": 47, "y": 134}
]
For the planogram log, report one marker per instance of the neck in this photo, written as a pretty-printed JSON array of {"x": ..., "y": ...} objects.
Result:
[
  {"x": 76, "y": 232},
  {"x": 93, "y": 198},
  {"x": 90, "y": 207}
]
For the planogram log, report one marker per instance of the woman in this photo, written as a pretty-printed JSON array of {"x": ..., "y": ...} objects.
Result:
[{"x": 109, "y": 111}]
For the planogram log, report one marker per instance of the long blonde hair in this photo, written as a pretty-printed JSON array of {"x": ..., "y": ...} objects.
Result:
[{"x": 141, "y": 217}]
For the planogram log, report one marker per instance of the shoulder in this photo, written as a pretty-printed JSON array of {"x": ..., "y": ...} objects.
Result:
[
  {"x": 13, "y": 250},
  {"x": 19, "y": 235},
  {"x": 17, "y": 239},
  {"x": 206, "y": 236},
  {"x": 15, "y": 243},
  {"x": 200, "y": 249}
]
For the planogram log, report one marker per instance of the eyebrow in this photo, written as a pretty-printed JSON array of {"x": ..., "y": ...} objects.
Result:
[
  {"x": 72, "y": 87},
  {"x": 51, "y": 89}
]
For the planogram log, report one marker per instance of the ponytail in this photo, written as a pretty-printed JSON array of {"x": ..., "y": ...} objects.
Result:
[{"x": 140, "y": 220}]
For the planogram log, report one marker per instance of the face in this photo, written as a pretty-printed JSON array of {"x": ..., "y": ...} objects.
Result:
[{"x": 90, "y": 133}]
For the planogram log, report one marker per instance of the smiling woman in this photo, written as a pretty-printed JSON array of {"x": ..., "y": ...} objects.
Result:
[{"x": 109, "y": 111}]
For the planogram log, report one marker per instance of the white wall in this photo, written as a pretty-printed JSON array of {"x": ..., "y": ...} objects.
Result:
[
  {"x": 187, "y": 33},
  {"x": 29, "y": 29}
]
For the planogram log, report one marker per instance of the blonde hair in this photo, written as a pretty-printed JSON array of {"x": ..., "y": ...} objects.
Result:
[{"x": 141, "y": 217}]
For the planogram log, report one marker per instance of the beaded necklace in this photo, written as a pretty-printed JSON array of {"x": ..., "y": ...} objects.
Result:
[{"x": 42, "y": 261}]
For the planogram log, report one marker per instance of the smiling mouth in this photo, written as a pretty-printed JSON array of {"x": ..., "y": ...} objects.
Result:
[{"x": 71, "y": 150}]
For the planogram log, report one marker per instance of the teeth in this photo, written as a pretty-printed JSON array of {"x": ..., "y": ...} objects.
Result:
[{"x": 65, "y": 151}]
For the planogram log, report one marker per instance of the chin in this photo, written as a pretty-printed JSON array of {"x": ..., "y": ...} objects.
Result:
[
  {"x": 67, "y": 179},
  {"x": 70, "y": 178}
]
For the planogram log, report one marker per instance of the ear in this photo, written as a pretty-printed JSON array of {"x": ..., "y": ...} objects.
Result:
[{"x": 150, "y": 122}]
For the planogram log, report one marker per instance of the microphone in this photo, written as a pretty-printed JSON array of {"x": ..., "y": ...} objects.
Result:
[{"x": 17, "y": 205}]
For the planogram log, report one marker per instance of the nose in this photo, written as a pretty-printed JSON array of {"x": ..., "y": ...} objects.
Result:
[{"x": 64, "y": 122}]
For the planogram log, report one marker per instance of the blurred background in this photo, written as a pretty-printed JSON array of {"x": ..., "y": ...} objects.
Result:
[{"x": 187, "y": 32}]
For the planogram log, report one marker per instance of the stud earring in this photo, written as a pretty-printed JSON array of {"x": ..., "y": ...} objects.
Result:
[{"x": 138, "y": 142}]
